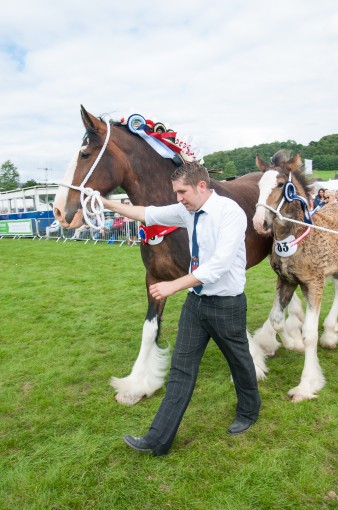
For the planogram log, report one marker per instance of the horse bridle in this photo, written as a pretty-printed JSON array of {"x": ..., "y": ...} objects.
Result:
[
  {"x": 289, "y": 195},
  {"x": 88, "y": 195}
]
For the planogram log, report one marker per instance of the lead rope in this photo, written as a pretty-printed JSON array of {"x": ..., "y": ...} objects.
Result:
[
  {"x": 284, "y": 218},
  {"x": 88, "y": 194}
]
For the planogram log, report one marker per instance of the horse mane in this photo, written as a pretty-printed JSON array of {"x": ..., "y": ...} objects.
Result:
[
  {"x": 93, "y": 136},
  {"x": 281, "y": 158}
]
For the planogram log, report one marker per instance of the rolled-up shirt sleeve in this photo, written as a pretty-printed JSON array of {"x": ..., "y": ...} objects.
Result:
[
  {"x": 167, "y": 215},
  {"x": 229, "y": 251}
]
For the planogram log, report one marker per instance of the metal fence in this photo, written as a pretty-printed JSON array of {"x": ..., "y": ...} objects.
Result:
[{"x": 117, "y": 231}]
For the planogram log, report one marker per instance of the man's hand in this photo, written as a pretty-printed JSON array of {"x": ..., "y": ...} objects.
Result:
[{"x": 163, "y": 290}]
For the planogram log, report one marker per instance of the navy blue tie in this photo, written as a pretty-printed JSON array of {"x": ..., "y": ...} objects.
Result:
[{"x": 194, "y": 251}]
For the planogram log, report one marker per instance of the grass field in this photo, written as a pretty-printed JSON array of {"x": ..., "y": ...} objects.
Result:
[
  {"x": 71, "y": 316},
  {"x": 325, "y": 175}
]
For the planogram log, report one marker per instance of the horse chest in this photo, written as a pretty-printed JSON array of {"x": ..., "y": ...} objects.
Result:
[{"x": 284, "y": 267}]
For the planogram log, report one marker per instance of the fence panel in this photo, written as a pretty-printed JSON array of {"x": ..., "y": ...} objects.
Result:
[
  {"x": 19, "y": 228},
  {"x": 120, "y": 231}
]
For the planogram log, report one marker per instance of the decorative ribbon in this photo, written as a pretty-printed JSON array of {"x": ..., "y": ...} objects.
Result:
[
  {"x": 162, "y": 141},
  {"x": 154, "y": 234},
  {"x": 162, "y": 149}
]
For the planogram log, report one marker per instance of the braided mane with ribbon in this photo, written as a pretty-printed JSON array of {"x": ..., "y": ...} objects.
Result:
[{"x": 165, "y": 142}]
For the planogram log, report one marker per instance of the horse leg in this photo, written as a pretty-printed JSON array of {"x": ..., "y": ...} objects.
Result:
[
  {"x": 329, "y": 337},
  {"x": 291, "y": 335},
  {"x": 149, "y": 370},
  {"x": 265, "y": 337},
  {"x": 312, "y": 379}
]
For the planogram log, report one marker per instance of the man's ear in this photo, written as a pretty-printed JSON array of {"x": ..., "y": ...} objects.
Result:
[{"x": 203, "y": 185}]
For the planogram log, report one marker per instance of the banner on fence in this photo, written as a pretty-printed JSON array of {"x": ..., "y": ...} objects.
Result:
[{"x": 16, "y": 227}]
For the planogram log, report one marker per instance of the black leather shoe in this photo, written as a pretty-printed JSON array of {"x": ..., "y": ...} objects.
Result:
[
  {"x": 138, "y": 443},
  {"x": 141, "y": 445},
  {"x": 239, "y": 426}
]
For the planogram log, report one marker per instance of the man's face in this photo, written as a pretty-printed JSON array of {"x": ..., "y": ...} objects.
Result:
[{"x": 192, "y": 197}]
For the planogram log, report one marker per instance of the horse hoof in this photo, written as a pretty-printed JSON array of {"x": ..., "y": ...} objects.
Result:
[
  {"x": 297, "y": 396},
  {"x": 127, "y": 400},
  {"x": 328, "y": 340}
]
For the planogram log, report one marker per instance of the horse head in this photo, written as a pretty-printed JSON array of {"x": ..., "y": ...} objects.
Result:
[
  {"x": 110, "y": 170},
  {"x": 272, "y": 184}
]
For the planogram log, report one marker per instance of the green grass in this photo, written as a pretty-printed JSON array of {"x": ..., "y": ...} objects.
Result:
[
  {"x": 325, "y": 175},
  {"x": 71, "y": 316}
]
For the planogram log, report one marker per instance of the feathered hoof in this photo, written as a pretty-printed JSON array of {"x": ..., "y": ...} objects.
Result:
[
  {"x": 261, "y": 372},
  {"x": 305, "y": 392},
  {"x": 127, "y": 400},
  {"x": 298, "y": 397},
  {"x": 124, "y": 391},
  {"x": 328, "y": 340}
]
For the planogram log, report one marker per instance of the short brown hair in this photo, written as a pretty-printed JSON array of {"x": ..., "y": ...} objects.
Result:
[{"x": 192, "y": 174}]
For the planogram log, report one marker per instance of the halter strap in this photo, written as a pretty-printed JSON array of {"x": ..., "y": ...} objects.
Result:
[{"x": 88, "y": 195}]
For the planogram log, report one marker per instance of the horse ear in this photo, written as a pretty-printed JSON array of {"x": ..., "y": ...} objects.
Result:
[
  {"x": 261, "y": 165},
  {"x": 89, "y": 121},
  {"x": 294, "y": 163}
]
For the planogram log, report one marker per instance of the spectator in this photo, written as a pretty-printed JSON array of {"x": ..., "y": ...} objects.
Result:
[
  {"x": 53, "y": 228},
  {"x": 329, "y": 196},
  {"x": 319, "y": 198},
  {"x": 117, "y": 226},
  {"x": 130, "y": 227},
  {"x": 80, "y": 233},
  {"x": 108, "y": 225}
]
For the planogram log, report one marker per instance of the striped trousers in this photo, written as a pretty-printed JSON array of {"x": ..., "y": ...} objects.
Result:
[{"x": 202, "y": 318}]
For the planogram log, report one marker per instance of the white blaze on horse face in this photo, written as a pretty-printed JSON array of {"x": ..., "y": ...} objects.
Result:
[
  {"x": 267, "y": 183},
  {"x": 62, "y": 192}
]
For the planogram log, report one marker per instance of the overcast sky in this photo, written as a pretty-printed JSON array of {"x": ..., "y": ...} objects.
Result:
[{"x": 230, "y": 73}]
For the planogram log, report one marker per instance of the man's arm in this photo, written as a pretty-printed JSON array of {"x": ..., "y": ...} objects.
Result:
[
  {"x": 135, "y": 212},
  {"x": 163, "y": 290}
]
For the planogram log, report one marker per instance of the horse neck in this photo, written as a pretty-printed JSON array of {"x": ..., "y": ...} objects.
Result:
[{"x": 149, "y": 183}]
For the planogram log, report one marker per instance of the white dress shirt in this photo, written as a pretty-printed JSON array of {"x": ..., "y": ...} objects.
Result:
[{"x": 221, "y": 241}]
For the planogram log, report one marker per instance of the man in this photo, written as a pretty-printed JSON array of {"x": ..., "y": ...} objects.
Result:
[{"x": 215, "y": 306}]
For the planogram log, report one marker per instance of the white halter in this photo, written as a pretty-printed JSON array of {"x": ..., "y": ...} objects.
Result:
[{"x": 88, "y": 194}]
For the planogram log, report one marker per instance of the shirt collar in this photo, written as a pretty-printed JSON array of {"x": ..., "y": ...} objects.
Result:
[{"x": 209, "y": 203}]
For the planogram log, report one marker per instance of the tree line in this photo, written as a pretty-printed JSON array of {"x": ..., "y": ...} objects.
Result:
[
  {"x": 236, "y": 162},
  {"x": 10, "y": 178}
]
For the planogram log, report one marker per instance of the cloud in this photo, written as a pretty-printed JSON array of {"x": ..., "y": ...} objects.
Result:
[{"x": 229, "y": 74}]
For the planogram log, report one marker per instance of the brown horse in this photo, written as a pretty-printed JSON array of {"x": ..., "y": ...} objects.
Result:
[
  {"x": 128, "y": 161},
  {"x": 301, "y": 255}
]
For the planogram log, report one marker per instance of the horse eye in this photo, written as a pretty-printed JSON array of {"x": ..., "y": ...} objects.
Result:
[
  {"x": 84, "y": 155},
  {"x": 280, "y": 184}
]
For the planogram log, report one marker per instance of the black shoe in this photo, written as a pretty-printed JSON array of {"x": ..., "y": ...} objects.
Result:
[
  {"x": 141, "y": 445},
  {"x": 239, "y": 426}
]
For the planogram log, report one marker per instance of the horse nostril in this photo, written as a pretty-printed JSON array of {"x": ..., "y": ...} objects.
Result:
[
  {"x": 57, "y": 213},
  {"x": 265, "y": 225}
]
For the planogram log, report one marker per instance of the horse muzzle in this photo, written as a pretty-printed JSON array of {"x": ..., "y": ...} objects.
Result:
[
  {"x": 68, "y": 219},
  {"x": 261, "y": 224}
]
